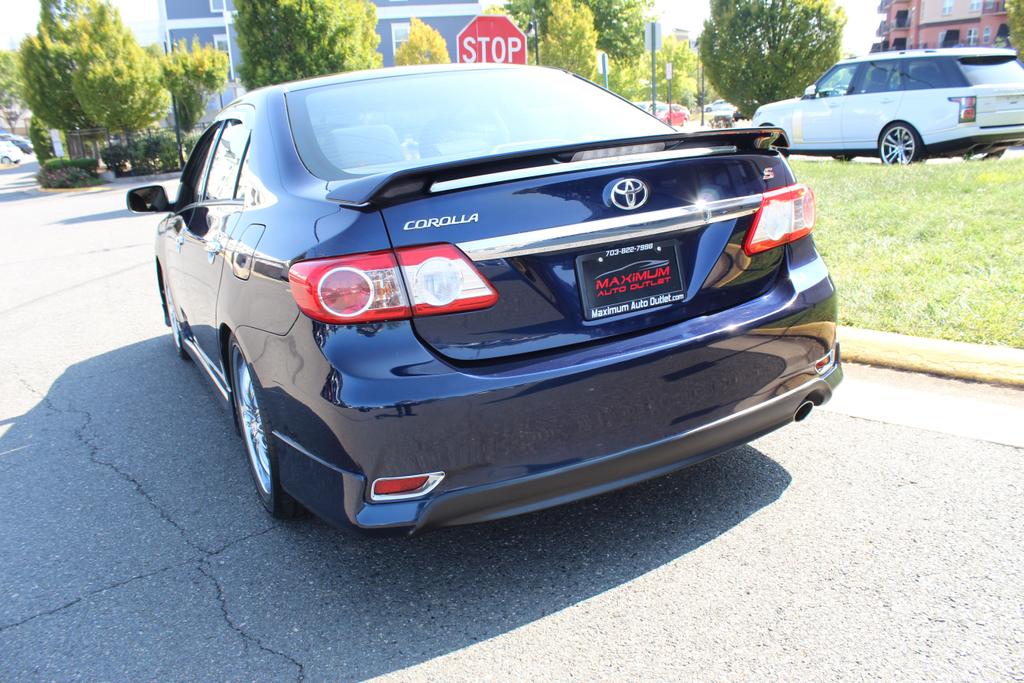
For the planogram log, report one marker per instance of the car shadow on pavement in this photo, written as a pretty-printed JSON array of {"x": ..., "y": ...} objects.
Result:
[{"x": 129, "y": 462}]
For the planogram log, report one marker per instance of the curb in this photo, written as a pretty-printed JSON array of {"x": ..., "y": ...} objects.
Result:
[
  {"x": 959, "y": 360},
  {"x": 66, "y": 190}
]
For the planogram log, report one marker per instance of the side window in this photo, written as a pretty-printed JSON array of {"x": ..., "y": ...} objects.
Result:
[
  {"x": 837, "y": 81},
  {"x": 927, "y": 73},
  {"x": 226, "y": 161},
  {"x": 192, "y": 175},
  {"x": 881, "y": 76}
]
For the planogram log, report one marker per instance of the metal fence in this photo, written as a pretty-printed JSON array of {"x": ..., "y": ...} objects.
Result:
[{"x": 155, "y": 150}]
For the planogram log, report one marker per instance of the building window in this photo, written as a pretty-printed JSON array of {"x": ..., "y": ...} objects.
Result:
[
  {"x": 986, "y": 35},
  {"x": 975, "y": 5},
  {"x": 399, "y": 36},
  {"x": 972, "y": 36},
  {"x": 947, "y": 7},
  {"x": 217, "y": 5},
  {"x": 942, "y": 39},
  {"x": 220, "y": 41}
]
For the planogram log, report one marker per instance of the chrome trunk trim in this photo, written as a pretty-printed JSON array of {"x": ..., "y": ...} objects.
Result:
[
  {"x": 619, "y": 228},
  {"x": 571, "y": 166}
]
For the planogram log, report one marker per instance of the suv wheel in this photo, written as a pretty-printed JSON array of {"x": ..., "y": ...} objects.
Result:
[
  {"x": 900, "y": 144},
  {"x": 172, "y": 315},
  {"x": 5, "y": 160}
]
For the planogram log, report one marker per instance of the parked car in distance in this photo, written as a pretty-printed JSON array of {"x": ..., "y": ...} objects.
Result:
[
  {"x": 18, "y": 141},
  {"x": 9, "y": 153},
  {"x": 907, "y": 106},
  {"x": 489, "y": 305},
  {"x": 679, "y": 115},
  {"x": 721, "y": 108}
]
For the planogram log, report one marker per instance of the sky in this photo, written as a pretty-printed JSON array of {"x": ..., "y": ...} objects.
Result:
[{"x": 20, "y": 17}]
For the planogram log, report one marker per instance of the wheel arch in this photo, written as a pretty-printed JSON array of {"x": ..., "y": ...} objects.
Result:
[{"x": 908, "y": 124}]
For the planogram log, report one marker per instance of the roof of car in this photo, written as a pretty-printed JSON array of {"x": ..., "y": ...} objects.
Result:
[
  {"x": 937, "y": 52},
  {"x": 390, "y": 72}
]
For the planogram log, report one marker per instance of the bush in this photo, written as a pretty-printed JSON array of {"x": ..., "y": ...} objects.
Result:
[
  {"x": 87, "y": 164},
  {"x": 155, "y": 152},
  {"x": 68, "y": 176}
]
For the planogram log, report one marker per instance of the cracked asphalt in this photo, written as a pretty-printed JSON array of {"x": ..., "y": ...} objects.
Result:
[{"x": 132, "y": 546}]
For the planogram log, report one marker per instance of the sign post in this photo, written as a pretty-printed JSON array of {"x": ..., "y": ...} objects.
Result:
[
  {"x": 602, "y": 66},
  {"x": 491, "y": 38},
  {"x": 652, "y": 42},
  {"x": 668, "y": 77}
]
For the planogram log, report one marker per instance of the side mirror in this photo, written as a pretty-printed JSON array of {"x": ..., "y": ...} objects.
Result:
[
  {"x": 810, "y": 92},
  {"x": 148, "y": 199}
]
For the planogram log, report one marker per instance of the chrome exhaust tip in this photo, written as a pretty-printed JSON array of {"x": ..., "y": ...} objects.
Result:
[{"x": 803, "y": 411}]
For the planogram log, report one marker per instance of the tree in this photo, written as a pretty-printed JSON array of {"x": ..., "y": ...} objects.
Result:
[
  {"x": 47, "y": 62},
  {"x": 118, "y": 83},
  {"x": 425, "y": 46},
  {"x": 684, "y": 71},
  {"x": 11, "y": 104},
  {"x": 630, "y": 78},
  {"x": 192, "y": 77},
  {"x": 1016, "y": 22},
  {"x": 758, "y": 51},
  {"x": 619, "y": 23},
  {"x": 571, "y": 41},
  {"x": 287, "y": 40}
]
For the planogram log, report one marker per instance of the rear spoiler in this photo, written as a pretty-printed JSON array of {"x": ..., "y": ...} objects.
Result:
[{"x": 382, "y": 189}]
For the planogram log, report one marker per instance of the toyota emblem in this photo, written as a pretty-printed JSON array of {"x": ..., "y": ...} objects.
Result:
[{"x": 629, "y": 193}]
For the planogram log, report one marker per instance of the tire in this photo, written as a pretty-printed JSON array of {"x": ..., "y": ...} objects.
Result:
[
  {"x": 899, "y": 144},
  {"x": 255, "y": 426},
  {"x": 176, "y": 335},
  {"x": 6, "y": 161}
]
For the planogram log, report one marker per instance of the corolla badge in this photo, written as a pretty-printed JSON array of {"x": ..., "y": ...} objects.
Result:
[
  {"x": 441, "y": 222},
  {"x": 629, "y": 193}
]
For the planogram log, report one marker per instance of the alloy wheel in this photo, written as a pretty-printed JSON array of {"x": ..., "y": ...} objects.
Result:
[
  {"x": 173, "y": 315},
  {"x": 252, "y": 422},
  {"x": 898, "y": 146}
]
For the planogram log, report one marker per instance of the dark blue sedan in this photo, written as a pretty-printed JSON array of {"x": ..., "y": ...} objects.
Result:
[{"x": 441, "y": 295}]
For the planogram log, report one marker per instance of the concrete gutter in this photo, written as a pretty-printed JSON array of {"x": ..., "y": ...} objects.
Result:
[{"x": 978, "y": 362}]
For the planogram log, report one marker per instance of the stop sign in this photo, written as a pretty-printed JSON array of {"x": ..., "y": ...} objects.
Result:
[{"x": 492, "y": 38}]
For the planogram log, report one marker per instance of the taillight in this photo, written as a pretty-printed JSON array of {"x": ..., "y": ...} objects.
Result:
[
  {"x": 402, "y": 488},
  {"x": 440, "y": 279},
  {"x": 968, "y": 108},
  {"x": 785, "y": 215},
  {"x": 368, "y": 287}
]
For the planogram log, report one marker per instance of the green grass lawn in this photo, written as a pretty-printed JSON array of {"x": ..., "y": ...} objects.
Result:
[{"x": 932, "y": 250}]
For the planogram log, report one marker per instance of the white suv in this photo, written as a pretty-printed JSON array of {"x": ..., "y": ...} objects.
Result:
[{"x": 906, "y": 106}]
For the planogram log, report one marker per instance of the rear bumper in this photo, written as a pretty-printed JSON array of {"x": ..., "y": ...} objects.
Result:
[
  {"x": 982, "y": 140},
  {"x": 575, "y": 482},
  {"x": 351, "y": 404}
]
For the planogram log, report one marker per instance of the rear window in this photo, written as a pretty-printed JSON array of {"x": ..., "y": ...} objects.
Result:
[
  {"x": 992, "y": 70},
  {"x": 397, "y": 122}
]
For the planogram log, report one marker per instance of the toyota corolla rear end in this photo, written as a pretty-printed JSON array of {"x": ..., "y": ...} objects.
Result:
[{"x": 561, "y": 308}]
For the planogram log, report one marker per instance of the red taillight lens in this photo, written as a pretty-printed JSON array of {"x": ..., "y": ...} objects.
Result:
[
  {"x": 350, "y": 289},
  {"x": 440, "y": 279},
  {"x": 968, "y": 108},
  {"x": 402, "y": 488},
  {"x": 785, "y": 215},
  {"x": 389, "y": 487},
  {"x": 368, "y": 287}
]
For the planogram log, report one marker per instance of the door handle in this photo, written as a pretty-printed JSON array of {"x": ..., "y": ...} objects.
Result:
[
  {"x": 213, "y": 247},
  {"x": 888, "y": 100}
]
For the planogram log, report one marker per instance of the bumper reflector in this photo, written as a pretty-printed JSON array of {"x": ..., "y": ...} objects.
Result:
[
  {"x": 402, "y": 488},
  {"x": 825, "y": 363}
]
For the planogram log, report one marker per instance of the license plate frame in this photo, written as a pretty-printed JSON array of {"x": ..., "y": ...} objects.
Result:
[{"x": 627, "y": 278}]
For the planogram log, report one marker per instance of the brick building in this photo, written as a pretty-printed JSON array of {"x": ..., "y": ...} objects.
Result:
[{"x": 941, "y": 23}]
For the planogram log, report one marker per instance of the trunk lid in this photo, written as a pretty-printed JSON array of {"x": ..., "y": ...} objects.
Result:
[
  {"x": 570, "y": 263},
  {"x": 998, "y": 82}
]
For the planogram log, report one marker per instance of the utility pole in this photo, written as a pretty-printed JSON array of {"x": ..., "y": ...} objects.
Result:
[
  {"x": 533, "y": 30},
  {"x": 654, "y": 70},
  {"x": 703, "y": 94},
  {"x": 169, "y": 47}
]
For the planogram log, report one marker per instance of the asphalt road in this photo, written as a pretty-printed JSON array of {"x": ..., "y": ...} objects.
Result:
[{"x": 132, "y": 546}]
